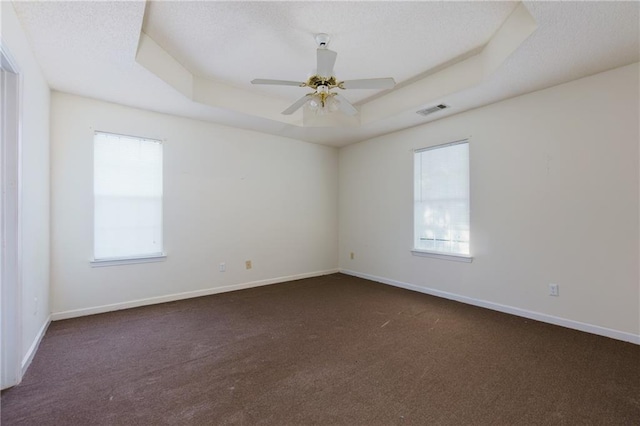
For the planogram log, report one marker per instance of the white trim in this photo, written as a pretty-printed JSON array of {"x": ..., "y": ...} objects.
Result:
[
  {"x": 445, "y": 256},
  {"x": 538, "y": 316},
  {"x": 186, "y": 295},
  {"x": 128, "y": 136},
  {"x": 442, "y": 145},
  {"x": 11, "y": 321},
  {"x": 28, "y": 357},
  {"x": 98, "y": 263}
]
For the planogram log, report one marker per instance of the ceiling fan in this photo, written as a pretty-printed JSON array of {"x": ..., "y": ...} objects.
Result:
[{"x": 323, "y": 100}]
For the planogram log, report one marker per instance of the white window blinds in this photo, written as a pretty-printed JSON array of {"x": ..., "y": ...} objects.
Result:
[
  {"x": 441, "y": 186},
  {"x": 127, "y": 190}
]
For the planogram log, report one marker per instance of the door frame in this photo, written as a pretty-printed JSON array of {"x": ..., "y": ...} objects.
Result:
[{"x": 10, "y": 221}]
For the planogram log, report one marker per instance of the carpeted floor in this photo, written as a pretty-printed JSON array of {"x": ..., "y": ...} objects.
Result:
[{"x": 327, "y": 350}]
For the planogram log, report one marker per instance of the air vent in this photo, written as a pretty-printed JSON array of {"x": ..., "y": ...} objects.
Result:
[{"x": 432, "y": 109}]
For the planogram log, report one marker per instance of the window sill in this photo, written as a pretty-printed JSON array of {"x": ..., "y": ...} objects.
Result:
[
  {"x": 445, "y": 256},
  {"x": 114, "y": 261}
]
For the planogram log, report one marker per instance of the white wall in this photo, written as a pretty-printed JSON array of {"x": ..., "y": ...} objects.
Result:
[
  {"x": 35, "y": 182},
  {"x": 554, "y": 199},
  {"x": 230, "y": 195}
]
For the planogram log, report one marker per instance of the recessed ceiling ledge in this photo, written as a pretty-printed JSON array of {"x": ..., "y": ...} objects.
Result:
[
  {"x": 160, "y": 63},
  {"x": 460, "y": 76},
  {"x": 222, "y": 95},
  {"x": 155, "y": 59},
  {"x": 434, "y": 87},
  {"x": 513, "y": 32}
]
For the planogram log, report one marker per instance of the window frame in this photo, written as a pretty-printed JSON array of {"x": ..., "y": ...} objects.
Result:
[
  {"x": 134, "y": 259},
  {"x": 459, "y": 257}
]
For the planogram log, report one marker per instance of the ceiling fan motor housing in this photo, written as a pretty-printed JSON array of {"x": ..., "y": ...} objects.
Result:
[{"x": 316, "y": 81}]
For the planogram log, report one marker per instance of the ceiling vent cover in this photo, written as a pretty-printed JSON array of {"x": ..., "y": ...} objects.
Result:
[{"x": 432, "y": 109}]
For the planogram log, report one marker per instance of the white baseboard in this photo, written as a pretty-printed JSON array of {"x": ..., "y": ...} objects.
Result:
[
  {"x": 28, "y": 357},
  {"x": 576, "y": 325},
  {"x": 186, "y": 295}
]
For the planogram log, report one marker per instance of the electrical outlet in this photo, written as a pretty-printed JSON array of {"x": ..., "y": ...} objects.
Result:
[
  {"x": 223, "y": 267},
  {"x": 554, "y": 290},
  {"x": 247, "y": 264},
  {"x": 352, "y": 256}
]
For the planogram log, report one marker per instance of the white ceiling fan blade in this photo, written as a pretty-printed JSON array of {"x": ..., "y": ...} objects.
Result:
[
  {"x": 296, "y": 105},
  {"x": 326, "y": 61},
  {"x": 277, "y": 82},
  {"x": 344, "y": 105},
  {"x": 369, "y": 83}
]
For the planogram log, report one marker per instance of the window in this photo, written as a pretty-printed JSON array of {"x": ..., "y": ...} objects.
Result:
[
  {"x": 127, "y": 188},
  {"x": 441, "y": 195}
]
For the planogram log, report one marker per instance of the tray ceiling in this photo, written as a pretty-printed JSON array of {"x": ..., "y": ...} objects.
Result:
[{"x": 196, "y": 59}]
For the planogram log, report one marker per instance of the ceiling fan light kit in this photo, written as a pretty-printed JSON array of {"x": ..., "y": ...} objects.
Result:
[{"x": 323, "y": 101}]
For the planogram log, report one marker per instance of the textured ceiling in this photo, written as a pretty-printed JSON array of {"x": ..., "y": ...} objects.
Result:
[
  {"x": 277, "y": 38},
  {"x": 89, "y": 49}
]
